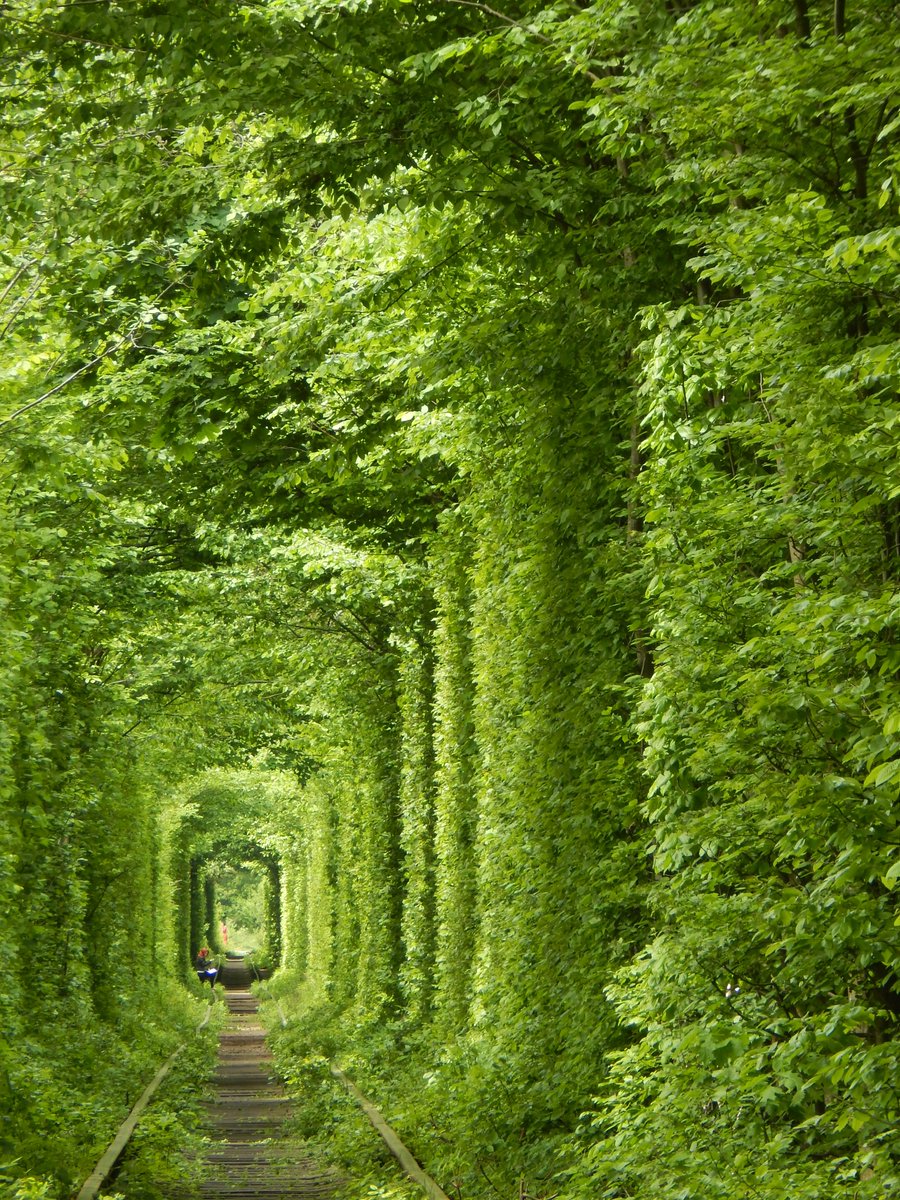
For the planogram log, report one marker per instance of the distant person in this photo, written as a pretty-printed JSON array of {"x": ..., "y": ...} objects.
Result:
[
  {"x": 224, "y": 934},
  {"x": 205, "y": 968}
]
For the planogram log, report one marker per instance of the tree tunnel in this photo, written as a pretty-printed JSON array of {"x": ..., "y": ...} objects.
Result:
[
  {"x": 243, "y": 879},
  {"x": 229, "y": 861},
  {"x": 451, "y": 501}
]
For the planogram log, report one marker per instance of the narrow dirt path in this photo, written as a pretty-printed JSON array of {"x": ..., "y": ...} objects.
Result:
[{"x": 254, "y": 1158}]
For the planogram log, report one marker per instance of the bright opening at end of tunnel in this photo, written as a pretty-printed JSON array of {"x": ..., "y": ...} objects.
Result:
[{"x": 241, "y": 893}]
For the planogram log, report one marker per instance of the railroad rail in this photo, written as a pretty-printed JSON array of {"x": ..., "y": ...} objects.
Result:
[
  {"x": 113, "y": 1153},
  {"x": 410, "y": 1166},
  {"x": 253, "y": 1156}
]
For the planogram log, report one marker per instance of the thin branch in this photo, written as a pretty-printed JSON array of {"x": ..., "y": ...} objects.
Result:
[
  {"x": 21, "y": 304},
  {"x": 15, "y": 279},
  {"x": 368, "y": 642},
  {"x": 320, "y": 41},
  {"x": 374, "y": 647},
  {"x": 883, "y": 114},
  {"x": 69, "y": 37},
  {"x": 91, "y": 911},
  {"x": 178, "y": 696},
  {"x": 238, "y": 683},
  {"x": 107, "y": 353},
  {"x": 68, "y": 379},
  {"x": 540, "y": 37},
  {"x": 430, "y": 271}
]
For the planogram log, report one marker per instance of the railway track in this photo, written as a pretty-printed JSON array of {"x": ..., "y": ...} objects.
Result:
[{"x": 253, "y": 1156}]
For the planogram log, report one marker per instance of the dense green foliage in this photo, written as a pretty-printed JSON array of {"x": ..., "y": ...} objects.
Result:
[{"x": 451, "y": 470}]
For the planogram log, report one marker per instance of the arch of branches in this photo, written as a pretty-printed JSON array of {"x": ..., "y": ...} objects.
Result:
[{"x": 228, "y": 819}]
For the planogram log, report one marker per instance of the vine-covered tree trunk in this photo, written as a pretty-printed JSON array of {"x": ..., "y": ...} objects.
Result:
[
  {"x": 417, "y": 830},
  {"x": 454, "y": 802}
]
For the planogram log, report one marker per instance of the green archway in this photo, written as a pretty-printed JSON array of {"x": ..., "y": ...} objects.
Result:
[
  {"x": 208, "y": 911},
  {"x": 231, "y": 821}
]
